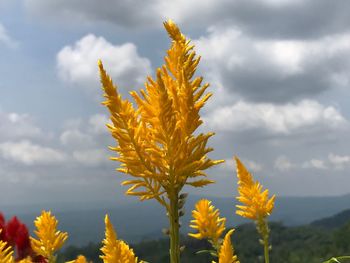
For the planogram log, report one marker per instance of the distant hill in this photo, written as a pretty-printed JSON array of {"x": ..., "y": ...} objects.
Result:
[
  {"x": 338, "y": 220},
  {"x": 144, "y": 220},
  {"x": 293, "y": 244}
]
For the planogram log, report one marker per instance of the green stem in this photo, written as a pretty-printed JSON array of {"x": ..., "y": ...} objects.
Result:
[
  {"x": 264, "y": 231},
  {"x": 266, "y": 250},
  {"x": 52, "y": 259},
  {"x": 174, "y": 229}
]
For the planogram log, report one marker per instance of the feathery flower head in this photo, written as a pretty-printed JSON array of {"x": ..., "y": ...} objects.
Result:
[
  {"x": 49, "y": 238},
  {"x": 256, "y": 202},
  {"x": 207, "y": 221},
  {"x": 226, "y": 254},
  {"x": 114, "y": 250},
  {"x": 156, "y": 144}
]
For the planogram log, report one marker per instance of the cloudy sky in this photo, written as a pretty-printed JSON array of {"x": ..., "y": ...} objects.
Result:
[{"x": 279, "y": 71}]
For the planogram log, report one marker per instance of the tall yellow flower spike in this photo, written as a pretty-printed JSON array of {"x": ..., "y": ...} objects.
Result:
[
  {"x": 114, "y": 250},
  {"x": 207, "y": 222},
  {"x": 256, "y": 204},
  {"x": 6, "y": 253},
  {"x": 49, "y": 238},
  {"x": 226, "y": 254},
  {"x": 156, "y": 142}
]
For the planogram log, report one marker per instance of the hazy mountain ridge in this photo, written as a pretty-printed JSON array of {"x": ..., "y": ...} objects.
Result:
[{"x": 144, "y": 220}]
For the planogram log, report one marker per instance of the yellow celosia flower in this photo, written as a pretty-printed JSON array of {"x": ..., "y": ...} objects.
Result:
[
  {"x": 156, "y": 141},
  {"x": 26, "y": 260},
  {"x": 114, "y": 250},
  {"x": 6, "y": 253},
  {"x": 207, "y": 221},
  {"x": 226, "y": 254},
  {"x": 80, "y": 259},
  {"x": 256, "y": 202},
  {"x": 49, "y": 239}
]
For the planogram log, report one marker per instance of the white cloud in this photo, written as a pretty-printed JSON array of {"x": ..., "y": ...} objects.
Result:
[
  {"x": 27, "y": 153},
  {"x": 282, "y": 119},
  {"x": 98, "y": 124},
  {"x": 75, "y": 138},
  {"x": 283, "y": 164},
  {"x": 77, "y": 64},
  {"x": 276, "y": 70},
  {"x": 252, "y": 166},
  {"x": 14, "y": 125},
  {"x": 91, "y": 157},
  {"x": 315, "y": 163},
  {"x": 339, "y": 161},
  {"x": 6, "y": 39}
]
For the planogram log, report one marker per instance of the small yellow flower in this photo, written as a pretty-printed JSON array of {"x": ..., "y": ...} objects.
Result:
[
  {"x": 50, "y": 240},
  {"x": 80, "y": 259},
  {"x": 114, "y": 250},
  {"x": 6, "y": 253},
  {"x": 226, "y": 254},
  {"x": 207, "y": 221},
  {"x": 256, "y": 203},
  {"x": 26, "y": 260}
]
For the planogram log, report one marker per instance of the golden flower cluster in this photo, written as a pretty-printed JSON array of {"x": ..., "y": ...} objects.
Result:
[
  {"x": 207, "y": 221},
  {"x": 5, "y": 252},
  {"x": 156, "y": 144},
  {"x": 256, "y": 202},
  {"x": 49, "y": 238},
  {"x": 114, "y": 250},
  {"x": 226, "y": 254},
  {"x": 210, "y": 226},
  {"x": 80, "y": 259}
]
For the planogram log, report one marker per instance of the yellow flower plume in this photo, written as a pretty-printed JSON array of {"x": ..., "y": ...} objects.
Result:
[
  {"x": 226, "y": 254},
  {"x": 6, "y": 253},
  {"x": 156, "y": 144},
  {"x": 49, "y": 238},
  {"x": 114, "y": 250},
  {"x": 207, "y": 221},
  {"x": 256, "y": 202}
]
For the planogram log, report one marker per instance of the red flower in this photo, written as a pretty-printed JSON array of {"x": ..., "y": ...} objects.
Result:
[
  {"x": 22, "y": 242},
  {"x": 11, "y": 230},
  {"x": 2, "y": 227},
  {"x": 17, "y": 236}
]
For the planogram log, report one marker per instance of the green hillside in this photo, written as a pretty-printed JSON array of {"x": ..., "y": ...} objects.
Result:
[{"x": 311, "y": 243}]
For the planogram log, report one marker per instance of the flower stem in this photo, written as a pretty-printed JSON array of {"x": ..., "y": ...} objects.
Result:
[
  {"x": 336, "y": 259},
  {"x": 344, "y": 257},
  {"x": 52, "y": 259},
  {"x": 264, "y": 231},
  {"x": 174, "y": 230},
  {"x": 266, "y": 251}
]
